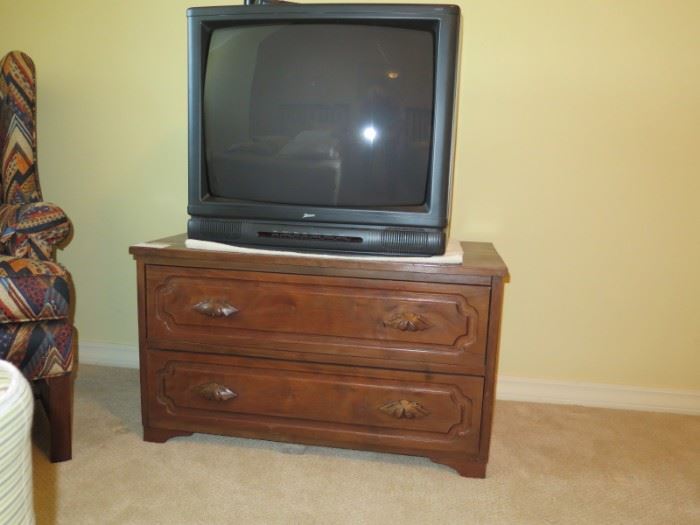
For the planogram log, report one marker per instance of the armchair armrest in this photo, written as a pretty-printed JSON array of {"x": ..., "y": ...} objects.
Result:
[{"x": 32, "y": 230}]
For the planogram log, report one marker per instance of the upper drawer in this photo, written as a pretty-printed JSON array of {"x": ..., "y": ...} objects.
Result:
[{"x": 408, "y": 324}]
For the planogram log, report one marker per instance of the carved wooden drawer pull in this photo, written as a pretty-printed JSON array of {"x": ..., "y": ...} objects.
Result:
[
  {"x": 215, "y": 308},
  {"x": 216, "y": 392},
  {"x": 407, "y": 322},
  {"x": 405, "y": 409}
]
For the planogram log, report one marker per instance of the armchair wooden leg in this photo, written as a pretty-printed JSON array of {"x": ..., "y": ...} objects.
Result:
[{"x": 57, "y": 398}]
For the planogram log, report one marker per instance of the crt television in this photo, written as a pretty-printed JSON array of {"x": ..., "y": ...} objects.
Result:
[{"x": 322, "y": 127}]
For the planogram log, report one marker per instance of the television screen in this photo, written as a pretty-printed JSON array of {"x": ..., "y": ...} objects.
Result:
[{"x": 319, "y": 114}]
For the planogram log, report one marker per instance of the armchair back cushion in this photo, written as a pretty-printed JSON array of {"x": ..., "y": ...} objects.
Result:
[{"x": 18, "y": 172}]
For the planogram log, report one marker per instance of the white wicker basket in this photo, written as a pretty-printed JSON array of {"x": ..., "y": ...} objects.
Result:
[{"x": 16, "y": 408}]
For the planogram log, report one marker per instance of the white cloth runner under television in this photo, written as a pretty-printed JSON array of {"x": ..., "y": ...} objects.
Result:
[
  {"x": 16, "y": 408},
  {"x": 452, "y": 255}
]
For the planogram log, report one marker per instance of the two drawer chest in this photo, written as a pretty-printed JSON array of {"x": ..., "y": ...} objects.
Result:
[{"x": 394, "y": 356}]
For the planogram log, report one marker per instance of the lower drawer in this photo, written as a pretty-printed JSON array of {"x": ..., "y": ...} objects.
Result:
[{"x": 393, "y": 411}]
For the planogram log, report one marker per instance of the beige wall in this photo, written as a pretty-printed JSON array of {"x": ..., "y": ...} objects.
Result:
[{"x": 578, "y": 155}]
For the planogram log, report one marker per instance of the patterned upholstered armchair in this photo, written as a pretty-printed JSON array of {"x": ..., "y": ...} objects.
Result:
[{"x": 36, "y": 329}]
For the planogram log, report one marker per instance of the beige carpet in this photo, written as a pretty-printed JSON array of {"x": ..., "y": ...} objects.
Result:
[{"x": 549, "y": 464}]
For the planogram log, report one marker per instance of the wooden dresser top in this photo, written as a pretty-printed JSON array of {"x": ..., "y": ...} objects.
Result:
[{"x": 480, "y": 263}]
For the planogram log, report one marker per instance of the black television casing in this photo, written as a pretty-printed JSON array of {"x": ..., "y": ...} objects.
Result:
[{"x": 410, "y": 230}]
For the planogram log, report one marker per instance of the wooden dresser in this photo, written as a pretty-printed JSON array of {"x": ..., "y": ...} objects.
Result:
[{"x": 389, "y": 356}]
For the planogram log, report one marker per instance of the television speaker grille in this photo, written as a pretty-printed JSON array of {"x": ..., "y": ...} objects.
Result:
[
  {"x": 403, "y": 241},
  {"x": 213, "y": 229}
]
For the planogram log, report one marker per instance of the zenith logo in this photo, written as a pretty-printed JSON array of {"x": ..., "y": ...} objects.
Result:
[{"x": 308, "y": 215}]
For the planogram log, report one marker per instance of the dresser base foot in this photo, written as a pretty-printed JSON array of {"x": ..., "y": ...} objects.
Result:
[
  {"x": 465, "y": 468},
  {"x": 161, "y": 435}
]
